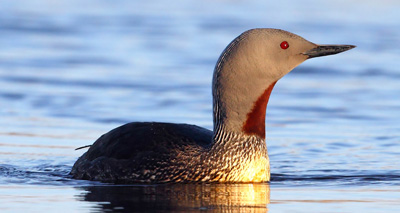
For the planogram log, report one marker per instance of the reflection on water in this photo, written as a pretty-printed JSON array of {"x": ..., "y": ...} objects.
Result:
[{"x": 180, "y": 197}]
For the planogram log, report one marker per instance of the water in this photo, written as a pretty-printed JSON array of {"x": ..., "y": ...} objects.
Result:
[{"x": 72, "y": 70}]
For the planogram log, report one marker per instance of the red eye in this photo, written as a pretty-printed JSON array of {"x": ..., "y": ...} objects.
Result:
[{"x": 284, "y": 45}]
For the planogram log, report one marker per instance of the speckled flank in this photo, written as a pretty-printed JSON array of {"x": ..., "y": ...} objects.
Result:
[
  {"x": 233, "y": 158},
  {"x": 243, "y": 159},
  {"x": 237, "y": 158}
]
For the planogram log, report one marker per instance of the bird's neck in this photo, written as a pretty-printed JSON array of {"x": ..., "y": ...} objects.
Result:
[
  {"x": 239, "y": 104},
  {"x": 242, "y": 84},
  {"x": 239, "y": 152}
]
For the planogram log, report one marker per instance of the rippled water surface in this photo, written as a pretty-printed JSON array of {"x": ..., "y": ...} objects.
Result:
[{"x": 72, "y": 70}]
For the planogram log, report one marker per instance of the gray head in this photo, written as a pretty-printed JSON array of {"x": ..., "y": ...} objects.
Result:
[{"x": 248, "y": 69}]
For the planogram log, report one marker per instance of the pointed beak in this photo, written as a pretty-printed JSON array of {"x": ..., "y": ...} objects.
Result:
[{"x": 323, "y": 50}]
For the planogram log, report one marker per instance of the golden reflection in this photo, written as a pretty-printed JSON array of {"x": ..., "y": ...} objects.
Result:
[{"x": 182, "y": 197}]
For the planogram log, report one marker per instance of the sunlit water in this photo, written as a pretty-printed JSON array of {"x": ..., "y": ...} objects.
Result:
[{"x": 72, "y": 70}]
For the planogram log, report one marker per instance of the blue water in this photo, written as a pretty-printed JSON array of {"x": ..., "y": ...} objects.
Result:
[{"x": 72, "y": 70}]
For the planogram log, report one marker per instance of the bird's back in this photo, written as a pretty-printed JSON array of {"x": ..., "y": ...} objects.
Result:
[{"x": 135, "y": 148}]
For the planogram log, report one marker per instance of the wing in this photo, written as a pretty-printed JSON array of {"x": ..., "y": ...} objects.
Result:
[
  {"x": 142, "y": 138},
  {"x": 127, "y": 153}
]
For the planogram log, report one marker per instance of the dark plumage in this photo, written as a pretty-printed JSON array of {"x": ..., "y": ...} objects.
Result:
[{"x": 132, "y": 152}]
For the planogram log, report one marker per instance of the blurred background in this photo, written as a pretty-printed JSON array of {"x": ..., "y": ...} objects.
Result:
[{"x": 72, "y": 70}]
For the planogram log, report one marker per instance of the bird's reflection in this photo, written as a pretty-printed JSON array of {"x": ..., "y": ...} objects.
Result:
[{"x": 180, "y": 197}]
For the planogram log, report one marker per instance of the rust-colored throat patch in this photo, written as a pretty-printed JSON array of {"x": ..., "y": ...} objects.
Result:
[{"x": 255, "y": 122}]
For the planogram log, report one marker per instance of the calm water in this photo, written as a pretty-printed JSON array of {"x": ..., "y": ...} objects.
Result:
[{"x": 72, "y": 70}]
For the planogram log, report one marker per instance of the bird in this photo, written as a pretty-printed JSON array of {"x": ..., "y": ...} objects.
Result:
[{"x": 235, "y": 151}]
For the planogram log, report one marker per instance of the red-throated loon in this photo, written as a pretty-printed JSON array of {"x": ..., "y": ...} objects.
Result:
[{"x": 235, "y": 151}]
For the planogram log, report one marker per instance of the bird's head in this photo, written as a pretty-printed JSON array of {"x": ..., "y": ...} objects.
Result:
[
  {"x": 274, "y": 52},
  {"x": 248, "y": 69}
]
